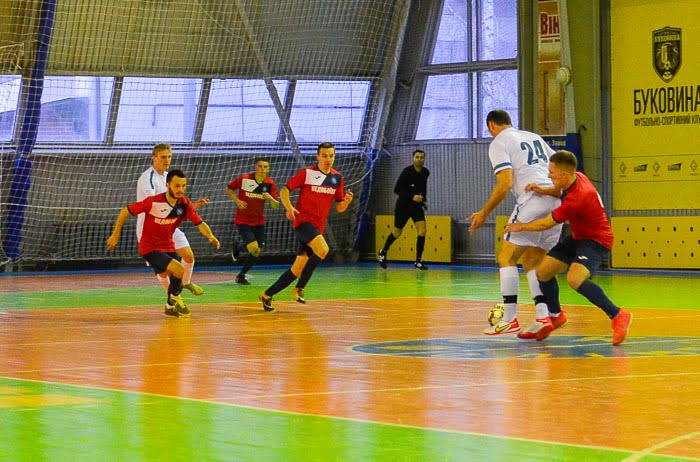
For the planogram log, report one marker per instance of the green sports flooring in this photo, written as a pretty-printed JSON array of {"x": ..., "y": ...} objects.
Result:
[{"x": 136, "y": 426}]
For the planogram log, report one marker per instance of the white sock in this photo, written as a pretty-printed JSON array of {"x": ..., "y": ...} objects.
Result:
[
  {"x": 189, "y": 267},
  {"x": 541, "y": 310},
  {"x": 164, "y": 281},
  {"x": 510, "y": 283}
]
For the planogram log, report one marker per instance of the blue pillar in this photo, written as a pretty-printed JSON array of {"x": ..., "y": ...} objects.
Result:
[
  {"x": 363, "y": 220},
  {"x": 28, "y": 128}
]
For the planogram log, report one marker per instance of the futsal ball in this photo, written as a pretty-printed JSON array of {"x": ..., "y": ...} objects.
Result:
[{"x": 496, "y": 313}]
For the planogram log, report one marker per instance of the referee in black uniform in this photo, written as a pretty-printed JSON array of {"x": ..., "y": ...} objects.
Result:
[{"x": 411, "y": 187}]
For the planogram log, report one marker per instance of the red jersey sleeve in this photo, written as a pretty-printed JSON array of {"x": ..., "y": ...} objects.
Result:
[
  {"x": 236, "y": 184},
  {"x": 137, "y": 208},
  {"x": 273, "y": 190},
  {"x": 297, "y": 180},
  {"x": 340, "y": 192},
  {"x": 192, "y": 214}
]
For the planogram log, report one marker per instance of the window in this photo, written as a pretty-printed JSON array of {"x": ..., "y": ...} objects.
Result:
[
  {"x": 158, "y": 109},
  {"x": 75, "y": 108},
  {"x": 473, "y": 35},
  {"x": 340, "y": 105},
  {"x": 10, "y": 86},
  {"x": 243, "y": 111}
]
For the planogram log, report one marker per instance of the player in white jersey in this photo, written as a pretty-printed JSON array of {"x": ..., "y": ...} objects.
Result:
[
  {"x": 152, "y": 182},
  {"x": 518, "y": 159}
]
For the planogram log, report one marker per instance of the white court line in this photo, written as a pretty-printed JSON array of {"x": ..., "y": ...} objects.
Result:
[{"x": 651, "y": 449}]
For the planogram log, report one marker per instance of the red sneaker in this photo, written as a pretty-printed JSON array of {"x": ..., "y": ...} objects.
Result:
[
  {"x": 621, "y": 324},
  {"x": 557, "y": 322},
  {"x": 560, "y": 321},
  {"x": 537, "y": 328}
]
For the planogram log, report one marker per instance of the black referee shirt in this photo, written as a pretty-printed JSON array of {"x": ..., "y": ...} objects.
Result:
[{"x": 410, "y": 183}]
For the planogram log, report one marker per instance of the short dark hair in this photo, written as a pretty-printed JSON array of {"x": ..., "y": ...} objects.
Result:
[
  {"x": 418, "y": 150},
  {"x": 261, "y": 159},
  {"x": 176, "y": 172},
  {"x": 160, "y": 147},
  {"x": 325, "y": 145},
  {"x": 499, "y": 117},
  {"x": 564, "y": 158}
]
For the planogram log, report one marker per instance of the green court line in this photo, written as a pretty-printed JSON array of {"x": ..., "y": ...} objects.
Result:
[
  {"x": 350, "y": 282},
  {"x": 135, "y": 426}
]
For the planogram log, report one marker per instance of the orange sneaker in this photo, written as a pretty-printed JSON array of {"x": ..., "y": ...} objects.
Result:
[
  {"x": 541, "y": 327},
  {"x": 621, "y": 324}
]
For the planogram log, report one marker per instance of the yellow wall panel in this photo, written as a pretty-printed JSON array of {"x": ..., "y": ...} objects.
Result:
[
  {"x": 656, "y": 242},
  {"x": 438, "y": 239}
]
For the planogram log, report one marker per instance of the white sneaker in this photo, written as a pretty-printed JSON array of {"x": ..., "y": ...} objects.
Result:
[{"x": 503, "y": 327}]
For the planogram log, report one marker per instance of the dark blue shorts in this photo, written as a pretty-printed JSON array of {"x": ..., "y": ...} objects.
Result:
[
  {"x": 159, "y": 261},
  {"x": 404, "y": 212},
  {"x": 250, "y": 234},
  {"x": 306, "y": 232},
  {"x": 586, "y": 252}
]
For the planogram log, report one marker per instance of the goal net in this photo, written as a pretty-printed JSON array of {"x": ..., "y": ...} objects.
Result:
[{"x": 88, "y": 87}]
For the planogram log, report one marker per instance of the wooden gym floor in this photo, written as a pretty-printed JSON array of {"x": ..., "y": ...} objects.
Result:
[{"x": 378, "y": 365}]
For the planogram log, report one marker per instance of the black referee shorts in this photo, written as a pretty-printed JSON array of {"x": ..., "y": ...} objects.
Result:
[{"x": 404, "y": 212}]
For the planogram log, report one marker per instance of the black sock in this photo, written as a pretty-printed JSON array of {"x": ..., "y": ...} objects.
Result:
[
  {"x": 420, "y": 245},
  {"x": 281, "y": 283},
  {"x": 308, "y": 270},
  {"x": 175, "y": 286},
  {"x": 595, "y": 295},
  {"x": 389, "y": 240},
  {"x": 550, "y": 290},
  {"x": 247, "y": 263}
]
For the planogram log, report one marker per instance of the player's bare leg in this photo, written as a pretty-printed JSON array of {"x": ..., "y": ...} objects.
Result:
[{"x": 188, "y": 264}]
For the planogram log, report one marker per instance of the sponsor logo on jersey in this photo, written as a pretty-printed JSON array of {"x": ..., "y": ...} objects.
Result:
[
  {"x": 323, "y": 189},
  {"x": 253, "y": 195},
  {"x": 314, "y": 177},
  {"x": 249, "y": 185},
  {"x": 165, "y": 221},
  {"x": 160, "y": 209}
]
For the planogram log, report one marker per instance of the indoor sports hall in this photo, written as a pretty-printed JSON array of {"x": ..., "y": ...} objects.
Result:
[{"x": 378, "y": 364}]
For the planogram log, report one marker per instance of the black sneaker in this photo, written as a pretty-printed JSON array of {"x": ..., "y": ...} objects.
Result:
[
  {"x": 382, "y": 260},
  {"x": 235, "y": 252},
  {"x": 420, "y": 265},
  {"x": 266, "y": 301},
  {"x": 242, "y": 280}
]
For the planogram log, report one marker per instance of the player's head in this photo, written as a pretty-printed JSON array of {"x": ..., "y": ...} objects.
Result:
[
  {"x": 325, "y": 153},
  {"x": 562, "y": 168},
  {"x": 497, "y": 120},
  {"x": 176, "y": 181},
  {"x": 262, "y": 166},
  {"x": 418, "y": 158},
  {"x": 161, "y": 156}
]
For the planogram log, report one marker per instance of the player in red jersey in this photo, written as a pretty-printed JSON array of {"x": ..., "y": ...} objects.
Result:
[
  {"x": 253, "y": 190},
  {"x": 163, "y": 214},
  {"x": 582, "y": 252},
  {"x": 319, "y": 186}
]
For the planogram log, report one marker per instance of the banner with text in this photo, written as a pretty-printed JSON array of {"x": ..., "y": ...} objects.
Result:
[{"x": 655, "y": 62}]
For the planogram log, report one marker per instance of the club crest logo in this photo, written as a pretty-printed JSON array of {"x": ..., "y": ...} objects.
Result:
[{"x": 666, "y": 52}]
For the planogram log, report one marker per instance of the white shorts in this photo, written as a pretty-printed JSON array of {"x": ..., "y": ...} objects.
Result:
[
  {"x": 180, "y": 240},
  {"x": 533, "y": 208}
]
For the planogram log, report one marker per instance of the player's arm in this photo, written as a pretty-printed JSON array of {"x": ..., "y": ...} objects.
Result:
[
  {"x": 343, "y": 205},
  {"x": 537, "y": 225},
  {"x": 275, "y": 204},
  {"x": 287, "y": 203},
  {"x": 234, "y": 197},
  {"x": 113, "y": 239},
  {"x": 504, "y": 181},
  {"x": 206, "y": 232},
  {"x": 553, "y": 191}
]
